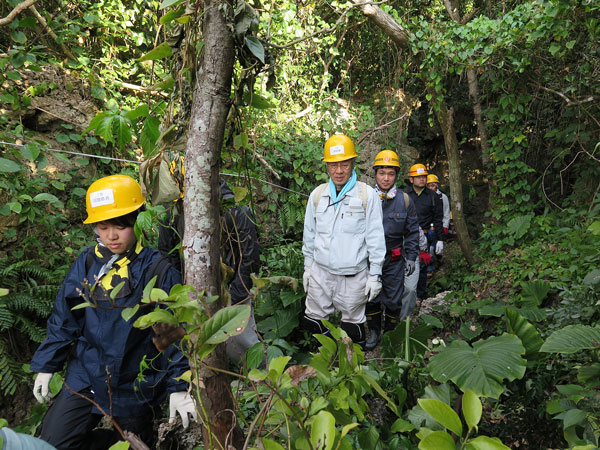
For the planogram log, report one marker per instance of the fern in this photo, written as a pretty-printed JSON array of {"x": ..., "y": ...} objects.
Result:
[
  {"x": 23, "y": 313},
  {"x": 11, "y": 372}
]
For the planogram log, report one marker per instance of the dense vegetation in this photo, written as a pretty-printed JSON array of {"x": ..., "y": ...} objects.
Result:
[{"x": 114, "y": 80}]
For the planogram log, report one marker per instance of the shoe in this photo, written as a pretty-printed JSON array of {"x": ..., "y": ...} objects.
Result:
[{"x": 373, "y": 340}]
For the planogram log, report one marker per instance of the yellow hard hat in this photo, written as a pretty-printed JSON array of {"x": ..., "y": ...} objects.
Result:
[
  {"x": 431, "y": 178},
  {"x": 417, "y": 170},
  {"x": 112, "y": 196},
  {"x": 387, "y": 158},
  {"x": 339, "y": 147}
]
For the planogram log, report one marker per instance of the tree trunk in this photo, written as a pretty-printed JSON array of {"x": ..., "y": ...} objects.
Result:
[
  {"x": 399, "y": 35},
  {"x": 445, "y": 118},
  {"x": 201, "y": 205}
]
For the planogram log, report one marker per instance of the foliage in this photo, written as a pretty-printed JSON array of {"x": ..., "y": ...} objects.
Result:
[
  {"x": 25, "y": 303},
  {"x": 449, "y": 419}
]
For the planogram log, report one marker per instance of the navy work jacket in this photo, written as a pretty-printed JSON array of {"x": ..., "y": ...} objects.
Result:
[{"x": 94, "y": 341}]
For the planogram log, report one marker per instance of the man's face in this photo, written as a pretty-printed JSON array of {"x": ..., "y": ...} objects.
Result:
[
  {"x": 419, "y": 182},
  {"x": 385, "y": 177},
  {"x": 340, "y": 172},
  {"x": 432, "y": 186}
]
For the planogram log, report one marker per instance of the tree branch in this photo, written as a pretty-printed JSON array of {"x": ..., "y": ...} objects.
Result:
[
  {"x": 569, "y": 101},
  {"x": 16, "y": 11}
]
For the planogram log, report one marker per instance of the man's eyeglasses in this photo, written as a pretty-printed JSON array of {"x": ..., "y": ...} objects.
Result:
[{"x": 345, "y": 165}]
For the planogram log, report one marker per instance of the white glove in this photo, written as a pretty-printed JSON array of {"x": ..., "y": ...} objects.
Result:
[
  {"x": 373, "y": 287},
  {"x": 182, "y": 403},
  {"x": 305, "y": 279},
  {"x": 41, "y": 387},
  {"x": 439, "y": 247}
]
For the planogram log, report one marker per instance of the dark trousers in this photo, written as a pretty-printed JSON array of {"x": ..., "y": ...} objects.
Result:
[{"x": 69, "y": 425}]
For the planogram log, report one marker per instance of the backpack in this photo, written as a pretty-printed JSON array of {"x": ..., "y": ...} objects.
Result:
[{"x": 362, "y": 193}]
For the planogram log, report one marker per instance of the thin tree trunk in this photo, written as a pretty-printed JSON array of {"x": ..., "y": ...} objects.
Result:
[
  {"x": 445, "y": 118},
  {"x": 201, "y": 205},
  {"x": 399, "y": 35}
]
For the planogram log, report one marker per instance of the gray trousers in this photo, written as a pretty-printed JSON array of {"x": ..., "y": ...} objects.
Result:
[
  {"x": 409, "y": 297},
  {"x": 237, "y": 346}
]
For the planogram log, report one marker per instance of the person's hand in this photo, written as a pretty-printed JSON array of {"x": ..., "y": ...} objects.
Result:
[
  {"x": 306, "y": 278},
  {"x": 182, "y": 403},
  {"x": 425, "y": 257},
  {"x": 439, "y": 247},
  {"x": 373, "y": 287},
  {"x": 410, "y": 267},
  {"x": 41, "y": 387}
]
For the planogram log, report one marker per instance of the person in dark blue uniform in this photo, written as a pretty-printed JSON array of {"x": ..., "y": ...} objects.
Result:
[
  {"x": 401, "y": 228},
  {"x": 103, "y": 352},
  {"x": 430, "y": 213}
]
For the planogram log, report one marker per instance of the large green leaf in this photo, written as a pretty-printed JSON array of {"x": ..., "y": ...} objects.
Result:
[
  {"x": 572, "y": 339},
  {"x": 322, "y": 433},
  {"x": 482, "y": 367},
  {"x": 229, "y": 321},
  {"x": 529, "y": 335},
  {"x": 518, "y": 226},
  {"x": 441, "y": 412},
  {"x": 534, "y": 292}
]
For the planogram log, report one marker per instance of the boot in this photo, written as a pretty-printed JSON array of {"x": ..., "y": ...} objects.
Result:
[
  {"x": 373, "y": 312},
  {"x": 392, "y": 319}
]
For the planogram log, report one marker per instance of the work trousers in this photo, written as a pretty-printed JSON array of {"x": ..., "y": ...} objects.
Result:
[
  {"x": 409, "y": 296},
  {"x": 328, "y": 292},
  {"x": 69, "y": 425}
]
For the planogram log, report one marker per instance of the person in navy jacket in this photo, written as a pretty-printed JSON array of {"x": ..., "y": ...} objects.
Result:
[{"x": 112, "y": 368}]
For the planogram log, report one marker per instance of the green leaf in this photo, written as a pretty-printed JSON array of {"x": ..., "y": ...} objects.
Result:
[
  {"x": 3, "y": 292},
  {"x": 486, "y": 443},
  {"x": 121, "y": 445},
  {"x": 226, "y": 322},
  {"x": 8, "y": 166},
  {"x": 437, "y": 440},
  {"x": 122, "y": 130},
  {"x": 257, "y": 101},
  {"x": 255, "y": 47},
  {"x": 171, "y": 15},
  {"x": 571, "y": 339},
  {"x": 46, "y": 197},
  {"x": 166, "y": 3},
  {"x": 401, "y": 426},
  {"x": 592, "y": 278},
  {"x": 471, "y": 407},
  {"x": 518, "y": 226},
  {"x": 161, "y": 51},
  {"x": 140, "y": 111},
  {"x": 554, "y": 48},
  {"x": 268, "y": 444},
  {"x": 442, "y": 413},
  {"x": 277, "y": 366},
  {"x": 322, "y": 433},
  {"x": 30, "y": 152},
  {"x": 128, "y": 313},
  {"x": 18, "y": 36},
  {"x": 536, "y": 291},
  {"x": 13, "y": 75},
  {"x": 529, "y": 335},
  {"x": 594, "y": 228},
  {"x": 481, "y": 368}
]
